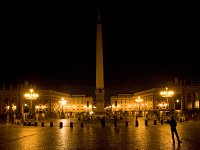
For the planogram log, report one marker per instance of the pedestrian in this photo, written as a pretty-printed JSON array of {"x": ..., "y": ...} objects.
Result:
[{"x": 173, "y": 125}]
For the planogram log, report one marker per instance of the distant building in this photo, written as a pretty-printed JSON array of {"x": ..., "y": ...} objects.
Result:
[
  {"x": 186, "y": 97},
  {"x": 48, "y": 104},
  {"x": 122, "y": 102}
]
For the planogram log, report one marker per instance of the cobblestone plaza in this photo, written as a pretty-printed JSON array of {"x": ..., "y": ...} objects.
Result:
[{"x": 92, "y": 136}]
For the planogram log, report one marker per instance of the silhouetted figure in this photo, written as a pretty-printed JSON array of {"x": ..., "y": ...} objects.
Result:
[{"x": 173, "y": 124}]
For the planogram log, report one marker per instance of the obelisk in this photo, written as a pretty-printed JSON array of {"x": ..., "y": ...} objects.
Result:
[{"x": 99, "y": 67}]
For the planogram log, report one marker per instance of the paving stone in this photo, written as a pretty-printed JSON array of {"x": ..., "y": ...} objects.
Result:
[{"x": 94, "y": 137}]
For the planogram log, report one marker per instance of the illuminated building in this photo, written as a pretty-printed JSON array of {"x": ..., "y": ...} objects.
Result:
[
  {"x": 47, "y": 103},
  {"x": 186, "y": 97}
]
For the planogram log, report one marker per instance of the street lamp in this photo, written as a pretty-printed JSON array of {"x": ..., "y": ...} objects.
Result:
[
  {"x": 139, "y": 100},
  {"x": 177, "y": 103},
  {"x": 31, "y": 96},
  {"x": 167, "y": 93},
  {"x": 7, "y": 111},
  {"x": 14, "y": 107},
  {"x": 14, "y": 111},
  {"x": 63, "y": 102}
]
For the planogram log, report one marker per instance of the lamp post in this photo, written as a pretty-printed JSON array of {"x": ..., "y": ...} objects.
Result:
[
  {"x": 14, "y": 107},
  {"x": 139, "y": 100},
  {"x": 178, "y": 104},
  {"x": 31, "y": 96},
  {"x": 63, "y": 103},
  {"x": 7, "y": 115},
  {"x": 14, "y": 111},
  {"x": 167, "y": 93}
]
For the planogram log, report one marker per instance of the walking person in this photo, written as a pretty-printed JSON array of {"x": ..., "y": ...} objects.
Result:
[{"x": 173, "y": 125}]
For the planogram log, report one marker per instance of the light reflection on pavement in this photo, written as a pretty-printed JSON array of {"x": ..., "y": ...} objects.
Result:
[{"x": 93, "y": 136}]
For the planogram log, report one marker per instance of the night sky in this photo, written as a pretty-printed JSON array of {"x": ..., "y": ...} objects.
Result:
[{"x": 144, "y": 47}]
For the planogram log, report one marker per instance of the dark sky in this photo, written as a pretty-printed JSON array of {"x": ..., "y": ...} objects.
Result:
[{"x": 144, "y": 46}]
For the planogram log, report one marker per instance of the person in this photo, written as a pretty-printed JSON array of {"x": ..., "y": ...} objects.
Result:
[{"x": 173, "y": 125}]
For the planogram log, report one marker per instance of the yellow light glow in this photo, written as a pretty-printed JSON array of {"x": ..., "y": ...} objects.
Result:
[
  {"x": 162, "y": 105},
  {"x": 31, "y": 95},
  {"x": 139, "y": 99},
  {"x": 14, "y": 107},
  {"x": 63, "y": 102},
  {"x": 167, "y": 93}
]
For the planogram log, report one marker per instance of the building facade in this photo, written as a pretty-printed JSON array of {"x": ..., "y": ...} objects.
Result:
[
  {"x": 47, "y": 105},
  {"x": 185, "y": 97}
]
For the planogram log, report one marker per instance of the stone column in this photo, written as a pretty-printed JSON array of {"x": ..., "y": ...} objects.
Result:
[{"x": 99, "y": 68}]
